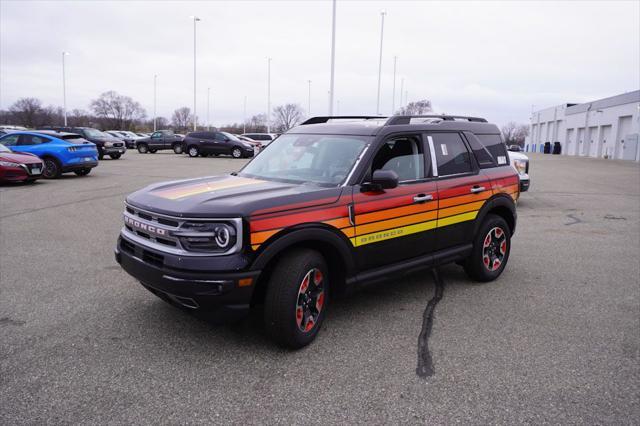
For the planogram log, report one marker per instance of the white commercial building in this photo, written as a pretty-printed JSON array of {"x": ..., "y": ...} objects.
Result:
[{"x": 606, "y": 128}]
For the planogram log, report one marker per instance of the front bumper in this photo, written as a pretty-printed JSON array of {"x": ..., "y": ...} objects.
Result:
[
  {"x": 224, "y": 293},
  {"x": 524, "y": 182},
  {"x": 114, "y": 150}
]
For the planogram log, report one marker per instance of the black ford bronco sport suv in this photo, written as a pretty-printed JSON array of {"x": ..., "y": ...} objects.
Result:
[{"x": 331, "y": 204}]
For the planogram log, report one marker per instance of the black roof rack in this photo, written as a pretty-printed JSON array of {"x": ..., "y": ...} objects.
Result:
[
  {"x": 406, "y": 119},
  {"x": 324, "y": 119}
]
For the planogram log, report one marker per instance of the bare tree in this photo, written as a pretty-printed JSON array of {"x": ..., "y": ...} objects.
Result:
[
  {"x": 257, "y": 123},
  {"x": 27, "y": 111},
  {"x": 181, "y": 118},
  {"x": 286, "y": 116},
  {"x": 416, "y": 108},
  {"x": 117, "y": 111},
  {"x": 80, "y": 118},
  {"x": 514, "y": 133}
]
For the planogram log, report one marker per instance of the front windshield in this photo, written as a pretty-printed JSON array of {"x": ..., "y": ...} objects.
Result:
[
  {"x": 231, "y": 136},
  {"x": 93, "y": 133},
  {"x": 4, "y": 148},
  {"x": 320, "y": 159}
]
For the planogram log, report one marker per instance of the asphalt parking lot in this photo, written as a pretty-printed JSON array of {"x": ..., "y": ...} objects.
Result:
[{"x": 556, "y": 339}]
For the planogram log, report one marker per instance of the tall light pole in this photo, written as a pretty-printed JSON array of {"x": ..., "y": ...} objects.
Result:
[
  {"x": 195, "y": 117},
  {"x": 380, "y": 60},
  {"x": 208, "y": 107},
  {"x": 244, "y": 116},
  {"x": 393, "y": 97},
  {"x": 309, "y": 107},
  {"x": 401, "y": 91},
  {"x": 155, "y": 100},
  {"x": 64, "y": 87},
  {"x": 333, "y": 58},
  {"x": 268, "y": 95}
]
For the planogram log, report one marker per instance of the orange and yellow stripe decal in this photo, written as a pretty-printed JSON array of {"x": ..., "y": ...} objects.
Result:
[{"x": 203, "y": 187}]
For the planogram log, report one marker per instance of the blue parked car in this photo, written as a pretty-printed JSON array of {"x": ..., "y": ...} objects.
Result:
[{"x": 61, "y": 152}]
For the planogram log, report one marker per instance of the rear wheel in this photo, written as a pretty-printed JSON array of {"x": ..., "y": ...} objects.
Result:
[
  {"x": 177, "y": 148},
  {"x": 490, "y": 250},
  {"x": 52, "y": 168},
  {"x": 115, "y": 156},
  {"x": 236, "y": 153},
  {"x": 143, "y": 148},
  {"x": 82, "y": 172},
  {"x": 193, "y": 151},
  {"x": 296, "y": 298}
]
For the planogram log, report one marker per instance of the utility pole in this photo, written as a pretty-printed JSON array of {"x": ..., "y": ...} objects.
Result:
[
  {"x": 309, "y": 107},
  {"x": 268, "y": 95},
  {"x": 208, "y": 107},
  {"x": 64, "y": 88},
  {"x": 155, "y": 100},
  {"x": 244, "y": 116},
  {"x": 401, "y": 91},
  {"x": 195, "y": 116},
  {"x": 333, "y": 58},
  {"x": 393, "y": 97},
  {"x": 380, "y": 61}
]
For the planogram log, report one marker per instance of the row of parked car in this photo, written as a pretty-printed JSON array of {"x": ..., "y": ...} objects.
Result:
[{"x": 206, "y": 143}]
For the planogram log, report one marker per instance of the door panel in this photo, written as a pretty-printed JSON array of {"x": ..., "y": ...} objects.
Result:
[{"x": 391, "y": 226}]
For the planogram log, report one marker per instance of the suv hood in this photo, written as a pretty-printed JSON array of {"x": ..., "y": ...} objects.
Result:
[{"x": 229, "y": 196}]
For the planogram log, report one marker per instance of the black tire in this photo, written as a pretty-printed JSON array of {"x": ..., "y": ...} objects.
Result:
[
  {"x": 489, "y": 257},
  {"x": 82, "y": 172},
  {"x": 236, "y": 152},
  {"x": 153, "y": 150},
  {"x": 100, "y": 154},
  {"x": 177, "y": 148},
  {"x": 143, "y": 148},
  {"x": 115, "y": 156},
  {"x": 52, "y": 168},
  {"x": 193, "y": 151},
  {"x": 293, "y": 319}
]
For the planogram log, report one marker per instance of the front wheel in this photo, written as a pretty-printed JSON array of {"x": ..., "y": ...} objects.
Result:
[
  {"x": 115, "y": 156},
  {"x": 193, "y": 151},
  {"x": 82, "y": 172},
  {"x": 153, "y": 150},
  {"x": 491, "y": 249},
  {"x": 177, "y": 148},
  {"x": 296, "y": 298},
  {"x": 236, "y": 153},
  {"x": 100, "y": 153},
  {"x": 143, "y": 148}
]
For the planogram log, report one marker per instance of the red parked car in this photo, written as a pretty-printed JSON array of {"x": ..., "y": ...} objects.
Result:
[{"x": 19, "y": 167}]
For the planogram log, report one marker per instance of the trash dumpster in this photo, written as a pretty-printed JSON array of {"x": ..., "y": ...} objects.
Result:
[
  {"x": 547, "y": 147},
  {"x": 557, "y": 148}
]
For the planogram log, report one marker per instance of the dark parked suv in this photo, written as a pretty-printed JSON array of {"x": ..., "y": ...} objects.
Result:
[
  {"x": 105, "y": 143},
  {"x": 162, "y": 139},
  {"x": 330, "y": 205},
  {"x": 216, "y": 143}
]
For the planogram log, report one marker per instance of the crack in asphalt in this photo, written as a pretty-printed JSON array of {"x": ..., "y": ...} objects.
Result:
[{"x": 425, "y": 362}]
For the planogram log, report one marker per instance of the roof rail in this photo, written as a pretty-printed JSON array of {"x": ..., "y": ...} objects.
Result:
[
  {"x": 324, "y": 119},
  {"x": 406, "y": 119}
]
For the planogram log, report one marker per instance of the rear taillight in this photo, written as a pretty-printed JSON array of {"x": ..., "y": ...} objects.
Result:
[{"x": 72, "y": 149}]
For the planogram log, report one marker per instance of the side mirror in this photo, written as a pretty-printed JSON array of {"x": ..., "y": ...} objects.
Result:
[{"x": 381, "y": 179}]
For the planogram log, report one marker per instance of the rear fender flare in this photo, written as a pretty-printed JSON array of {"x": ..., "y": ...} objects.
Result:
[{"x": 498, "y": 200}]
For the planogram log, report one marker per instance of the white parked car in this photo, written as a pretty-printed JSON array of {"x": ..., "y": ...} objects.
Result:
[
  {"x": 520, "y": 162},
  {"x": 264, "y": 138}
]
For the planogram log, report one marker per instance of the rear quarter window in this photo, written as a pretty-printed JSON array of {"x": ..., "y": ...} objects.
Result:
[{"x": 496, "y": 147}]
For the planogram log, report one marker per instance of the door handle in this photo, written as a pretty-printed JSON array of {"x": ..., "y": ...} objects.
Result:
[
  {"x": 421, "y": 198},
  {"x": 477, "y": 189}
]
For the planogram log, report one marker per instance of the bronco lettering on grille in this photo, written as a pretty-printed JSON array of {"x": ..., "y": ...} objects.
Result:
[{"x": 143, "y": 226}]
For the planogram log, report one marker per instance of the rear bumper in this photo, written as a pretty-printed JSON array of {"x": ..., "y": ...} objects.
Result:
[
  {"x": 79, "y": 166},
  {"x": 220, "y": 292}
]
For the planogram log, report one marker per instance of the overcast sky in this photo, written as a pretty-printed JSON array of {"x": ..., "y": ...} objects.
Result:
[{"x": 481, "y": 58}]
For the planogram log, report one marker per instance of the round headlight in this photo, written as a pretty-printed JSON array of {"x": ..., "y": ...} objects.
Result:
[{"x": 223, "y": 236}]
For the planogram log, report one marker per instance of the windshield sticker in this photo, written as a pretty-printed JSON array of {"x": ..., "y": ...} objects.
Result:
[
  {"x": 203, "y": 187},
  {"x": 443, "y": 147},
  {"x": 502, "y": 159}
]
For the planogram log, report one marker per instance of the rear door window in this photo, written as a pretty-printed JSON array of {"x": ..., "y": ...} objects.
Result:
[
  {"x": 10, "y": 140},
  {"x": 452, "y": 155}
]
